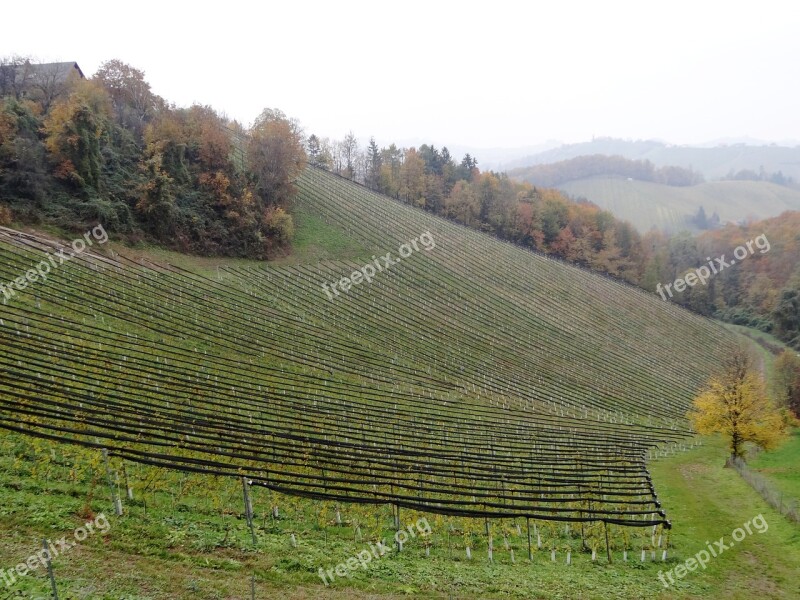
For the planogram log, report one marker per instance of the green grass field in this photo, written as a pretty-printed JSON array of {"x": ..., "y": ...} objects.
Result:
[{"x": 782, "y": 467}]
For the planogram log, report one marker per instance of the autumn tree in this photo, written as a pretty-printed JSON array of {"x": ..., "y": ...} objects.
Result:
[
  {"x": 434, "y": 193},
  {"x": 412, "y": 178},
  {"x": 391, "y": 162},
  {"x": 462, "y": 204},
  {"x": 275, "y": 156},
  {"x": 209, "y": 141},
  {"x": 279, "y": 225},
  {"x": 167, "y": 136},
  {"x": 8, "y": 133},
  {"x": 131, "y": 97},
  {"x": 156, "y": 202},
  {"x": 786, "y": 380},
  {"x": 49, "y": 82},
  {"x": 15, "y": 76},
  {"x": 25, "y": 165},
  {"x": 554, "y": 214},
  {"x": 165, "y": 168},
  {"x": 347, "y": 162},
  {"x": 786, "y": 316},
  {"x": 74, "y": 130},
  {"x": 735, "y": 404}
]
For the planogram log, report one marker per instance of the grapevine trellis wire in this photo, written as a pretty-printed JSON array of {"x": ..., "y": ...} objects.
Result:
[{"x": 473, "y": 380}]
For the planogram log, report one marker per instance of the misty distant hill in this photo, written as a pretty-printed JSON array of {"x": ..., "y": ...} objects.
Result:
[
  {"x": 646, "y": 204},
  {"x": 714, "y": 163}
]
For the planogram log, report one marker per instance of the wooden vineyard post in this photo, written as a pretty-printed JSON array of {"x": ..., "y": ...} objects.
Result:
[
  {"x": 396, "y": 512},
  {"x": 50, "y": 574},
  {"x": 450, "y": 541},
  {"x": 128, "y": 488},
  {"x": 530, "y": 551},
  {"x": 489, "y": 542},
  {"x": 248, "y": 509},
  {"x": 608, "y": 546},
  {"x": 114, "y": 498}
]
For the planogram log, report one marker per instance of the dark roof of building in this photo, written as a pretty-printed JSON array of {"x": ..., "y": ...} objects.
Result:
[
  {"x": 52, "y": 73},
  {"x": 61, "y": 69}
]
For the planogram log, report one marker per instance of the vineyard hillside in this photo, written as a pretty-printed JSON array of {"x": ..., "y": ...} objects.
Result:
[{"x": 396, "y": 367}]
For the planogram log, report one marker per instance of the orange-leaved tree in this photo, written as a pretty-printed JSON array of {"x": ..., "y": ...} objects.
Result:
[
  {"x": 275, "y": 156},
  {"x": 735, "y": 404}
]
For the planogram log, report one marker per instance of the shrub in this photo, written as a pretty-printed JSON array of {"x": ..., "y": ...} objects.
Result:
[{"x": 6, "y": 216}]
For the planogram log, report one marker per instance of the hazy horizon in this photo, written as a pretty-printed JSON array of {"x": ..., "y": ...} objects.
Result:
[{"x": 498, "y": 77}]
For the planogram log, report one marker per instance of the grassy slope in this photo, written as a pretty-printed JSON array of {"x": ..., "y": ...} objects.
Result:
[
  {"x": 648, "y": 205},
  {"x": 782, "y": 467},
  {"x": 713, "y": 502}
]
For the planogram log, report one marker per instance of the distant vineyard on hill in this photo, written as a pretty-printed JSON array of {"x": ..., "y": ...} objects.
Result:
[{"x": 646, "y": 204}]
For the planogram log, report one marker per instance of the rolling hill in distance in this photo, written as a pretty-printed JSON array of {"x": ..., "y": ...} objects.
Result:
[
  {"x": 714, "y": 162},
  {"x": 646, "y": 204}
]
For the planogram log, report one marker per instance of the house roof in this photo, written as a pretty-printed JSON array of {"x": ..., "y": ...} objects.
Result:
[{"x": 59, "y": 70}]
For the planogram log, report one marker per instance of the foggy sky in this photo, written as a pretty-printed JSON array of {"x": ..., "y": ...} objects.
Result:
[{"x": 488, "y": 74}]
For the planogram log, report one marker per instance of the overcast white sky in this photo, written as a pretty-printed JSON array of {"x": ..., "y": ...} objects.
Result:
[{"x": 494, "y": 74}]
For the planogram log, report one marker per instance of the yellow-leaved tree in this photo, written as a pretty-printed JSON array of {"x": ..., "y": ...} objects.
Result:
[
  {"x": 75, "y": 128},
  {"x": 735, "y": 404}
]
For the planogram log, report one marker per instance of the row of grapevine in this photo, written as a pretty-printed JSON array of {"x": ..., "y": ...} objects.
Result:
[{"x": 473, "y": 380}]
